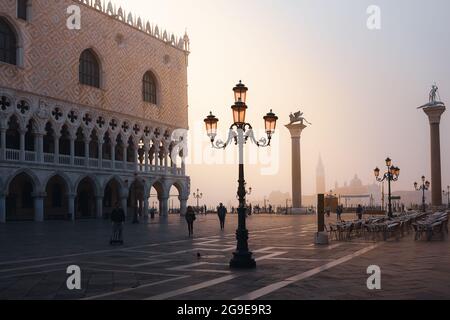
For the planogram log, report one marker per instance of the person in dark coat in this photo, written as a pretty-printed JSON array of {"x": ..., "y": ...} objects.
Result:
[
  {"x": 117, "y": 218},
  {"x": 339, "y": 212},
  {"x": 190, "y": 218},
  {"x": 222, "y": 213},
  {"x": 359, "y": 212}
]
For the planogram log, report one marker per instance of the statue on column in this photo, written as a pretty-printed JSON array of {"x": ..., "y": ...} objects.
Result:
[
  {"x": 434, "y": 95},
  {"x": 298, "y": 117}
]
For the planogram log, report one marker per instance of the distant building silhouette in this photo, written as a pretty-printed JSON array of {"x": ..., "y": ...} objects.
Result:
[{"x": 320, "y": 177}]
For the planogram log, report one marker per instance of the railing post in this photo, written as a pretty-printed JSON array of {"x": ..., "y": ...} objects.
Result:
[
  {"x": 86, "y": 152},
  {"x": 125, "y": 156},
  {"x": 40, "y": 147},
  {"x": 100, "y": 154},
  {"x": 56, "y": 153},
  {"x": 113, "y": 154},
  {"x": 146, "y": 151},
  {"x": 22, "y": 145},
  {"x": 72, "y": 150}
]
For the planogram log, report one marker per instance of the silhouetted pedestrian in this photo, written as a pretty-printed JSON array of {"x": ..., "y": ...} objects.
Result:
[
  {"x": 190, "y": 218},
  {"x": 117, "y": 218},
  {"x": 339, "y": 211},
  {"x": 222, "y": 213},
  {"x": 359, "y": 212}
]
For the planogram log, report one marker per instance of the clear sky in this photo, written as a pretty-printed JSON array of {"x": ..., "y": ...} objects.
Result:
[{"x": 359, "y": 87}]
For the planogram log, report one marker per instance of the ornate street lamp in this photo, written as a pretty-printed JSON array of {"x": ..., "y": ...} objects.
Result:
[
  {"x": 240, "y": 132},
  {"x": 392, "y": 174},
  {"x": 424, "y": 187},
  {"x": 198, "y": 196},
  {"x": 447, "y": 193}
]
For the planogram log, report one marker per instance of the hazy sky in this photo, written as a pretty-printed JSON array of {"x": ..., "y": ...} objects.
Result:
[{"x": 359, "y": 87}]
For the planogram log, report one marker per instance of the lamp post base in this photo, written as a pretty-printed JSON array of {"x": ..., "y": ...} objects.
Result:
[{"x": 242, "y": 260}]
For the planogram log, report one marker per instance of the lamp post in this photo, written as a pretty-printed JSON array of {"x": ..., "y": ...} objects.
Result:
[
  {"x": 198, "y": 196},
  {"x": 240, "y": 132},
  {"x": 392, "y": 174},
  {"x": 424, "y": 187},
  {"x": 447, "y": 193}
]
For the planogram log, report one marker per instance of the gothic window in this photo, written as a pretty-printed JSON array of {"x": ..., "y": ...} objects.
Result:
[
  {"x": 89, "y": 69},
  {"x": 22, "y": 9},
  {"x": 8, "y": 43},
  {"x": 149, "y": 88}
]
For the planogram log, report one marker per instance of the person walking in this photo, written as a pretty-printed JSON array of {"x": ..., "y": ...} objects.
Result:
[
  {"x": 117, "y": 218},
  {"x": 222, "y": 213},
  {"x": 359, "y": 212},
  {"x": 190, "y": 218},
  {"x": 339, "y": 211}
]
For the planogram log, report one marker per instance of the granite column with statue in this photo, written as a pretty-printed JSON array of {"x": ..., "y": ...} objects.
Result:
[
  {"x": 296, "y": 127},
  {"x": 434, "y": 110}
]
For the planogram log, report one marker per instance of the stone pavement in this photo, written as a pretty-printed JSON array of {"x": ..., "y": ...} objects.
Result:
[{"x": 159, "y": 262}]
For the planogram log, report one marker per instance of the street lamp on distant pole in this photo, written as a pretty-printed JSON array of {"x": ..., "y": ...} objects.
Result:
[
  {"x": 447, "y": 193},
  {"x": 198, "y": 196},
  {"x": 424, "y": 187},
  {"x": 240, "y": 132},
  {"x": 392, "y": 174}
]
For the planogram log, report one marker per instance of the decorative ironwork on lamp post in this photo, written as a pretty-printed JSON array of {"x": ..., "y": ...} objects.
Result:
[
  {"x": 198, "y": 196},
  {"x": 240, "y": 132},
  {"x": 392, "y": 174},
  {"x": 424, "y": 187}
]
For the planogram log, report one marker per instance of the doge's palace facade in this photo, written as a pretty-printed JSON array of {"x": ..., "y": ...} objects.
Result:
[{"x": 89, "y": 116}]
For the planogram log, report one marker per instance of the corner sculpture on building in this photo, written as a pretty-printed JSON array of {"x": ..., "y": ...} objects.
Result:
[{"x": 87, "y": 116}]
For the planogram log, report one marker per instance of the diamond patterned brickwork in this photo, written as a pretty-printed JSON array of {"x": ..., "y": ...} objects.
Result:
[{"x": 50, "y": 62}]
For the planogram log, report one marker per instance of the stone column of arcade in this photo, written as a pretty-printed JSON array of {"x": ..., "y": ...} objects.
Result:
[
  {"x": 39, "y": 206},
  {"x": 71, "y": 198},
  {"x": 296, "y": 130},
  {"x": 183, "y": 205},
  {"x": 124, "y": 200},
  {"x": 164, "y": 206},
  {"x": 99, "y": 207}
]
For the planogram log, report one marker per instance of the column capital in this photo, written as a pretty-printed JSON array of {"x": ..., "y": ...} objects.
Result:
[
  {"x": 296, "y": 129},
  {"x": 434, "y": 113},
  {"x": 39, "y": 195}
]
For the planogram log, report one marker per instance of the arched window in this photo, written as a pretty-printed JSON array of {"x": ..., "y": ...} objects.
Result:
[
  {"x": 8, "y": 43},
  {"x": 149, "y": 88},
  {"x": 89, "y": 69},
  {"x": 22, "y": 7}
]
